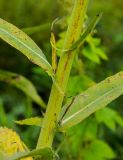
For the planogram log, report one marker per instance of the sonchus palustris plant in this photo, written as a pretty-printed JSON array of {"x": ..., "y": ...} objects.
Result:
[{"x": 58, "y": 117}]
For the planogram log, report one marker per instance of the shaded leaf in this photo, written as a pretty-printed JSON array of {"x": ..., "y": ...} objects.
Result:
[
  {"x": 88, "y": 53},
  {"x": 100, "y": 52},
  {"x": 35, "y": 121},
  {"x": 94, "y": 51},
  {"x": 78, "y": 135},
  {"x": 23, "y": 84},
  {"x": 3, "y": 118},
  {"x": 91, "y": 100},
  {"x": 81, "y": 82},
  {"x": 99, "y": 150},
  {"x": 18, "y": 39},
  {"x": 109, "y": 117}
]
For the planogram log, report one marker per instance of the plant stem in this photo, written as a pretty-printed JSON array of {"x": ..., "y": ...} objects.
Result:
[{"x": 62, "y": 74}]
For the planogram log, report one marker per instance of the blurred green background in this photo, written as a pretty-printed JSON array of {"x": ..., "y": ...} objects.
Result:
[{"x": 100, "y": 137}]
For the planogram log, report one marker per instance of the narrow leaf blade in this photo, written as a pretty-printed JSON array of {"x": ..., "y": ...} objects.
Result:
[
  {"x": 91, "y": 100},
  {"x": 23, "y": 84},
  {"x": 35, "y": 121},
  {"x": 22, "y": 42}
]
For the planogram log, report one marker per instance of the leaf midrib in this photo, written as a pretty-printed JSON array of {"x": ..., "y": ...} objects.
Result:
[
  {"x": 24, "y": 44},
  {"x": 87, "y": 106}
]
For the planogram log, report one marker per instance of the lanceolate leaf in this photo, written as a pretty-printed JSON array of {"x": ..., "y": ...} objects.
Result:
[
  {"x": 35, "y": 121},
  {"x": 18, "y": 39},
  {"x": 23, "y": 84},
  {"x": 91, "y": 100}
]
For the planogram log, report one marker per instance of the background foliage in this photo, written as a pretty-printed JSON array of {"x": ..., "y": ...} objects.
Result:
[{"x": 100, "y": 136}]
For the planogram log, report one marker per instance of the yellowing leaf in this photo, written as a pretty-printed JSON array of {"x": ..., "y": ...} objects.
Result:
[{"x": 33, "y": 121}]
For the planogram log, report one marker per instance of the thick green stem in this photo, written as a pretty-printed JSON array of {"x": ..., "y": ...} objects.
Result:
[{"x": 62, "y": 75}]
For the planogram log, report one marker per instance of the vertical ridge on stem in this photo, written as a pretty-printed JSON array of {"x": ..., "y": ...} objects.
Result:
[{"x": 62, "y": 74}]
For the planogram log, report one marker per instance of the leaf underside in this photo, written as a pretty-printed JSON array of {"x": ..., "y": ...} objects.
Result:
[{"x": 23, "y": 84}]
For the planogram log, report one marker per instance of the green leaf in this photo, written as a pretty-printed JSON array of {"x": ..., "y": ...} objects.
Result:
[
  {"x": 93, "y": 99},
  {"x": 18, "y": 39},
  {"x": 3, "y": 117},
  {"x": 35, "y": 121},
  {"x": 23, "y": 84},
  {"x": 81, "y": 82},
  {"x": 79, "y": 134},
  {"x": 44, "y": 153},
  {"x": 100, "y": 52},
  {"x": 109, "y": 117},
  {"x": 90, "y": 54},
  {"x": 99, "y": 150},
  {"x": 94, "y": 51}
]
